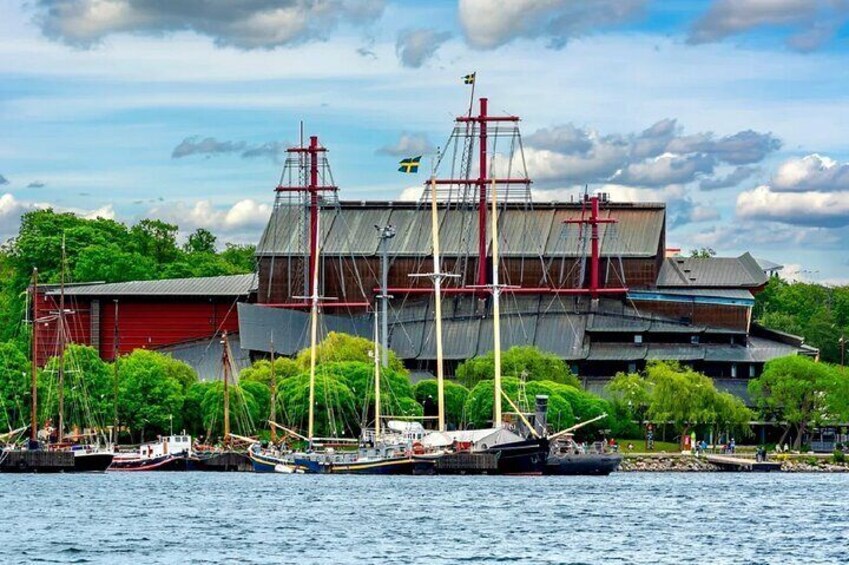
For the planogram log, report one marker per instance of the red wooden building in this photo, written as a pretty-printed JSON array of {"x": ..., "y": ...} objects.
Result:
[{"x": 140, "y": 314}]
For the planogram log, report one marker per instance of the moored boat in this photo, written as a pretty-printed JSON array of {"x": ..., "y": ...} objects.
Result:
[{"x": 171, "y": 453}]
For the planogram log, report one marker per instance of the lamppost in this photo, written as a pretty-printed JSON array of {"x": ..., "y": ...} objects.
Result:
[{"x": 384, "y": 233}]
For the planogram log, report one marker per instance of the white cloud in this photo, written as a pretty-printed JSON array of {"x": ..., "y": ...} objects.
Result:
[
  {"x": 415, "y": 46},
  {"x": 659, "y": 155},
  {"x": 490, "y": 23},
  {"x": 244, "y": 216},
  {"x": 813, "y": 172},
  {"x": 250, "y": 24},
  {"x": 812, "y": 22},
  {"x": 11, "y": 210},
  {"x": 814, "y": 208},
  {"x": 409, "y": 144}
]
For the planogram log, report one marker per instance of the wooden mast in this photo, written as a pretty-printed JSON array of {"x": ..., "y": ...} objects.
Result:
[
  {"x": 34, "y": 383},
  {"x": 313, "y": 336},
  {"x": 496, "y": 314},
  {"x": 115, "y": 379},
  {"x": 61, "y": 436},
  {"x": 377, "y": 363},
  {"x": 437, "y": 297},
  {"x": 273, "y": 415},
  {"x": 225, "y": 360}
]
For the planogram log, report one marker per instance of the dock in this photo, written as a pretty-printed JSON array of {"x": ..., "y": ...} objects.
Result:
[
  {"x": 467, "y": 464},
  {"x": 744, "y": 464}
]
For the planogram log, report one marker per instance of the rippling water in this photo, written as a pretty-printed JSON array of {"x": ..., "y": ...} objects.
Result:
[{"x": 625, "y": 518}]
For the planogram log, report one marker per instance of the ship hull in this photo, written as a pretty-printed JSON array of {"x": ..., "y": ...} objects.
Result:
[
  {"x": 526, "y": 457},
  {"x": 164, "y": 463},
  {"x": 96, "y": 462},
  {"x": 395, "y": 466},
  {"x": 583, "y": 464}
]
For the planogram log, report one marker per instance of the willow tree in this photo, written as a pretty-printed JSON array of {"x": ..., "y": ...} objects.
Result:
[{"x": 802, "y": 392}]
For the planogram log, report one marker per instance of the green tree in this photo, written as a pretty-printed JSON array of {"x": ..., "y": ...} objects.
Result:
[
  {"x": 703, "y": 253},
  {"x": 260, "y": 371},
  {"x": 151, "y": 393},
  {"x": 242, "y": 257},
  {"x": 537, "y": 365},
  {"x": 797, "y": 390},
  {"x": 88, "y": 389},
  {"x": 245, "y": 409},
  {"x": 200, "y": 241},
  {"x": 344, "y": 347},
  {"x": 455, "y": 400},
  {"x": 564, "y": 403},
  {"x": 669, "y": 392},
  {"x": 336, "y": 410},
  {"x": 193, "y": 410},
  {"x": 155, "y": 239},
  {"x": 110, "y": 263},
  {"x": 15, "y": 394}
]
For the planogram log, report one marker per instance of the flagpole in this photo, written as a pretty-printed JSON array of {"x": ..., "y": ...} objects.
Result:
[{"x": 472, "y": 97}]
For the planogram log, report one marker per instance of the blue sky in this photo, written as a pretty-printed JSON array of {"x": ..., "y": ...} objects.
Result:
[{"x": 732, "y": 112}]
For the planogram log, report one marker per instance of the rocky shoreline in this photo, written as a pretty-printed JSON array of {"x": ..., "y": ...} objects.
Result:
[{"x": 677, "y": 463}]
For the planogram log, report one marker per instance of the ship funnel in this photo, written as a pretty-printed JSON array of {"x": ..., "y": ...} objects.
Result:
[{"x": 540, "y": 414}]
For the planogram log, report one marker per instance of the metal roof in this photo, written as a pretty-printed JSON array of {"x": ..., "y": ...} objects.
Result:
[
  {"x": 204, "y": 356},
  {"x": 229, "y": 285},
  {"x": 467, "y": 331},
  {"x": 741, "y": 272},
  {"x": 525, "y": 230}
]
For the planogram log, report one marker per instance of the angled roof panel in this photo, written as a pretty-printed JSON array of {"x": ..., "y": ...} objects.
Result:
[
  {"x": 740, "y": 272},
  {"x": 228, "y": 285}
]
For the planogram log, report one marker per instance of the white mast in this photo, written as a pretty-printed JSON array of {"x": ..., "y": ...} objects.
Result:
[
  {"x": 313, "y": 335},
  {"x": 496, "y": 313},
  {"x": 377, "y": 363}
]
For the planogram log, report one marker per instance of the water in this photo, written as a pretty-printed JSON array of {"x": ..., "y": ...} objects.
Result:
[{"x": 625, "y": 518}]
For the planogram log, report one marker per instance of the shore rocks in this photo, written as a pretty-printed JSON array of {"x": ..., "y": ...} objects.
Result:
[{"x": 678, "y": 463}]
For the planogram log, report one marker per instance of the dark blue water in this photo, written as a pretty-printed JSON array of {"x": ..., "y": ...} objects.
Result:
[{"x": 626, "y": 518}]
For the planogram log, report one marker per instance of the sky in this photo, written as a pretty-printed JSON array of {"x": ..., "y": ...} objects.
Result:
[{"x": 732, "y": 112}]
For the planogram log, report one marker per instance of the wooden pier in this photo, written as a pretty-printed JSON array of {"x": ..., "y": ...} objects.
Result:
[
  {"x": 744, "y": 464},
  {"x": 36, "y": 461},
  {"x": 467, "y": 464}
]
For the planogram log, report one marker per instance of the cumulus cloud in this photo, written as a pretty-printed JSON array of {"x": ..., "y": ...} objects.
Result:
[
  {"x": 733, "y": 178},
  {"x": 11, "y": 210},
  {"x": 245, "y": 24},
  {"x": 244, "y": 216},
  {"x": 659, "y": 155},
  {"x": 3, "y": 180},
  {"x": 814, "y": 208},
  {"x": 488, "y": 24},
  {"x": 415, "y": 46},
  {"x": 813, "y": 172},
  {"x": 36, "y": 184},
  {"x": 812, "y": 23},
  {"x": 210, "y": 146},
  {"x": 410, "y": 144}
]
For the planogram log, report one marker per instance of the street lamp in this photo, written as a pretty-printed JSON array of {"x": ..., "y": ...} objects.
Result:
[{"x": 384, "y": 234}]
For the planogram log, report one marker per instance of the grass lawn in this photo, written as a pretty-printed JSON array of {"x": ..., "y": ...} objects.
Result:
[{"x": 640, "y": 446}]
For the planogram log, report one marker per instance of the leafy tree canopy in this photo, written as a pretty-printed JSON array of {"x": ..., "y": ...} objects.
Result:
[
  {"x": 536, "y": 364},
  {"x": 455, "y": 400},
  {"x": 344, "y": 347}
]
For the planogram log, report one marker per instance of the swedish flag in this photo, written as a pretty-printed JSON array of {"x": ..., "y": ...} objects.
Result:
[
  {"x": 410, "y": 165},
  {"x": 469, "y": 79}
]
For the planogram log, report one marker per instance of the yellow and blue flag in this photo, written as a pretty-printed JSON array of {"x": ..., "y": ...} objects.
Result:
[
  {"x": 410, "y": 165},
  {"x": 469, "y": 79}
]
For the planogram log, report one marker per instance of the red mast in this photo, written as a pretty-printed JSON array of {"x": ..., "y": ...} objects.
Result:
[
  {"x": 593, "y": 221},
  {"x": 482, "y": 119},
  {"x": 313, "y": 188}
]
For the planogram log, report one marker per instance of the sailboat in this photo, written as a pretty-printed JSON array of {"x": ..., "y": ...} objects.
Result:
[
  {"x": 496, "y": 450},
  {"x": 88, "y": 456},
  {"x": 228, "y": 458}
]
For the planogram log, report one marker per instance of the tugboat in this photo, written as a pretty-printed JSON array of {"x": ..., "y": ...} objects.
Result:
[
  {"x": 171, "y": 453},
  {"x": 568, "y": 458}
]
